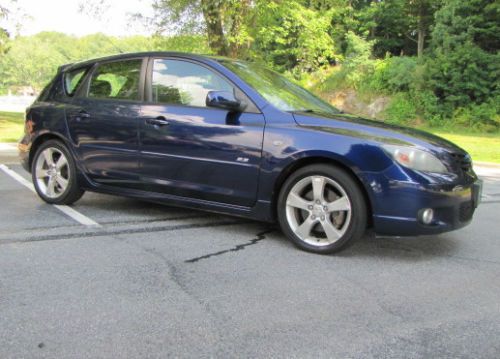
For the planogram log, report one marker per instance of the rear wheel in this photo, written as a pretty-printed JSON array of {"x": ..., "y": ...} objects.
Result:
[
  {"x": 54, "y": 174},
  {"x": 321, "y": 209}
]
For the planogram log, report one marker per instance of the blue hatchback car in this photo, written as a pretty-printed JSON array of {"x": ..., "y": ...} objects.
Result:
[{"x": 232, "y": 137}]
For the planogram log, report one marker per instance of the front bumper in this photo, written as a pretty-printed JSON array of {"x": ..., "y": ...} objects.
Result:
[{"x": 398, "y": 205}]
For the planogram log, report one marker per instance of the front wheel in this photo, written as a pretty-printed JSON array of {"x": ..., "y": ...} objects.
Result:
[
  {"x": 54, "y": 174},
  {"x": 322, "y": 209}
]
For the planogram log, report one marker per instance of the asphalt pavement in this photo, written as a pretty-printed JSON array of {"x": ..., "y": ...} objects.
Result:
[{"x": 155, "y": 281}]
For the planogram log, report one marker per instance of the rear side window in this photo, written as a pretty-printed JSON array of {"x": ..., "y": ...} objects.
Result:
[
  {"x": 116, "y": 80},
  {"x": 72, "y": 80}
]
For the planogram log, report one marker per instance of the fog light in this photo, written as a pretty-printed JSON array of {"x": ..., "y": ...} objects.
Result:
[{"x": 427, "y": 215}]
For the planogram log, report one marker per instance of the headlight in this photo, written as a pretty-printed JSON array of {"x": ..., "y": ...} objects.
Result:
[{"x": 415, "y": 159}]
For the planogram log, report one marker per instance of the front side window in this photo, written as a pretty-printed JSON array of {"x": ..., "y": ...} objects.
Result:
[
  {"x": 72, "y": 80},
  {"x": 116, "y": 80},
  {"x": 184, "y": 83}
]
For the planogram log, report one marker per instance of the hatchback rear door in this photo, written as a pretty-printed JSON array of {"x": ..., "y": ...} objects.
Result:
[{"x": 104, "y": 120}]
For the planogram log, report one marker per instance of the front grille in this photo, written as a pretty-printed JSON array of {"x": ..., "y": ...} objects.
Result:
[
  {"x": 462, "y": 161},
  {"x": 466, "y": 211}
]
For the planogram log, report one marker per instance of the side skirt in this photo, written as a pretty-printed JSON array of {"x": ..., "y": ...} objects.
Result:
[{"x": 261, "y": 211}]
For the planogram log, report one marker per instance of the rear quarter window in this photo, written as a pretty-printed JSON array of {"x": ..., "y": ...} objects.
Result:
[{"x": 73, "y": 79}]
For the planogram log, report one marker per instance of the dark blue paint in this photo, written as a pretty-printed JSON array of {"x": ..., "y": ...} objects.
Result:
[
  {"x": 196, "y": 154},
  {"x": 233, "y": 163},
  {"x": 104, "y": 137}
]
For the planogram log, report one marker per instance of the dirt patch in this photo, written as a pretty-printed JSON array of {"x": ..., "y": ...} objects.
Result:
[{"x": 349, "y": 101}]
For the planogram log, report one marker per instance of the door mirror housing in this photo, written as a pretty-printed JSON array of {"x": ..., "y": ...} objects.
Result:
[{"x": 225, "y": 100}]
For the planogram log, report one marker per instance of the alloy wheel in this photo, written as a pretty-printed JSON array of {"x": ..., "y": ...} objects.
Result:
[
  {"x": 318, "y": 210},
  {"x": 52, "y": 172}
]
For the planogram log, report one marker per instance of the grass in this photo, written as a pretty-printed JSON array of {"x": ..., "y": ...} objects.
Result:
[
  {"x": 11, "y": 126},
  {"x": 482, "y": 147}
]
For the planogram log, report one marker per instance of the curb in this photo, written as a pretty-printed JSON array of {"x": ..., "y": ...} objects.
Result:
[
  {"x": 8, "y": 146},
  {"x": 491, "y": 165}
]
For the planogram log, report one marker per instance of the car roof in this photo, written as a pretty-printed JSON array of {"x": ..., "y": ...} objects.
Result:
[{"x": 130, "y": 55}]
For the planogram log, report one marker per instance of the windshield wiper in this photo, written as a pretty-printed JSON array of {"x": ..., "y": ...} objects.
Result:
[
  {"x": 307, "y": 110},
  {"x": 310, "y": 110}
]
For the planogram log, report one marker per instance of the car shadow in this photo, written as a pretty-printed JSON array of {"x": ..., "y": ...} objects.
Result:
[{"x": 407, "y": 249}]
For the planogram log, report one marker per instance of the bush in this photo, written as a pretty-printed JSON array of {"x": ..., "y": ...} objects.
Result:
[
  {"x": 401, "y": 110},
  {"x": 394, "y": 74},
  {"x": 484, "y": 117},
  {"x": 466, "y": 75},
  {"x": 465, "y": 65},
  {"x": 390, "y": 75},
  {"x": 358, "y": 65}
]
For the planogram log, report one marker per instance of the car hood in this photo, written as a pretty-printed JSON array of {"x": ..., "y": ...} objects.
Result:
[{"x": 350, "y": 125}]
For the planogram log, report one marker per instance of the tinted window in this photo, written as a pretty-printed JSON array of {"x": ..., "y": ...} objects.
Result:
[
  {"x": 44, "y": 95},
  {"x": 72, "y": 80},
  {"x": 185, "y": 83},
  {"x": 117, "y": 80}
]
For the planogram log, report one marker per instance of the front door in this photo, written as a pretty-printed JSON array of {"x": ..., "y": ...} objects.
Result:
[
  {"x": 104, "y": 121},
  {"x": 191, "y": 150}
]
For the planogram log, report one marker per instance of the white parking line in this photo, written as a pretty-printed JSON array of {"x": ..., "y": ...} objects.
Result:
[{"x": 70, "y": 212}]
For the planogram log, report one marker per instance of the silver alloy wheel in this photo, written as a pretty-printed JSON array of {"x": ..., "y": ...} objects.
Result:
[
  {"x": 318, "y": 210},
  {"x": 52, "y": 172}
]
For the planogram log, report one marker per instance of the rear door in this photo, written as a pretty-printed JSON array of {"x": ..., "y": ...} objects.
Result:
[
  {"x": 191, "y": 150},
  {"x": 104, "y": 121}
]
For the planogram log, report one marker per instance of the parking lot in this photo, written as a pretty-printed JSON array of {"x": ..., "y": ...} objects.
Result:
[{"x": 115, "y": 277}]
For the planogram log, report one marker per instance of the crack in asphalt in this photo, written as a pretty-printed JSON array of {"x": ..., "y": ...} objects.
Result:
[
  {"x": 259, "y": 236},
  {"x": 479, "y": 260},
  {"x": 123, "y": 231},
  {"x": 174, "y": 274}
]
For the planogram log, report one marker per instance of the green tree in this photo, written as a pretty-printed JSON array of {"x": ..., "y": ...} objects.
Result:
[
  {"x": 4, "y": 35},
  {"x": 465, "y": 63},
  {"x": 423, "y": 12},
  {"x": 288, "y": 35},
  {"x": 49, "y": 50},
  {"x": 398, "y": 27},
  {"x": 223, "y": 21}
]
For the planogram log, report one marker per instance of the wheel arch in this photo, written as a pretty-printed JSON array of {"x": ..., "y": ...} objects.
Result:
[
  {"x": 319, "y": 159},
  {"x": 39, "y": 140}
]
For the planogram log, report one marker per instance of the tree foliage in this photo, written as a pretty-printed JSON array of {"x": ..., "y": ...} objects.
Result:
[
  {"x": 4, "y": 35},
  {"x": 465, "y": 66},
  {"x": 33, "y": 60},
  {"x": 292, "y": 36},
  {"x": 223, "y": 22},
  {"x": 437, "y": 59}
]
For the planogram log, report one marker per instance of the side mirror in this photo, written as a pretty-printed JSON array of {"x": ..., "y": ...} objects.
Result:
[{"x": 225, "y": 100}]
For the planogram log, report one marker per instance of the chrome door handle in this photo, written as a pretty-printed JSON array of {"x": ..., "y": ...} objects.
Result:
[
  {"x": 157, "y": 121},
  {"x": 81, "y": 115}
]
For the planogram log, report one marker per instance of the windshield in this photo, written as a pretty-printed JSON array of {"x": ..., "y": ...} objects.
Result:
[{"x": 277, "y": 89}]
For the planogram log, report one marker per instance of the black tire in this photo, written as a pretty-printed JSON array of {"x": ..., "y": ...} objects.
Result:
[
  {"x": 72, "y": 192},
  {"x": 352, "y": 230}
]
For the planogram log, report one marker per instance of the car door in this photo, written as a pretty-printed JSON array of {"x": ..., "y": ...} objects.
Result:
[
  {"x": 191, "y": 150},
  {"x": 104, "y": 120}
]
